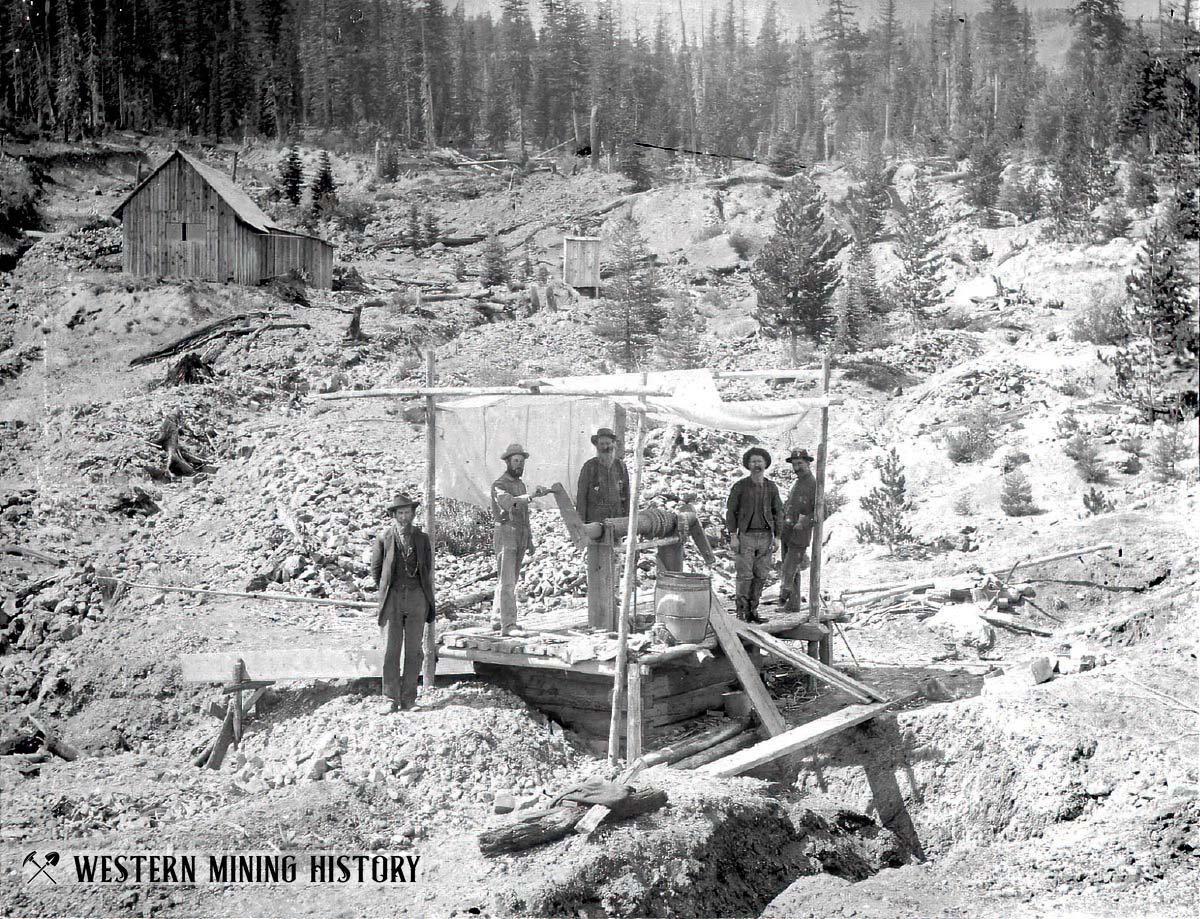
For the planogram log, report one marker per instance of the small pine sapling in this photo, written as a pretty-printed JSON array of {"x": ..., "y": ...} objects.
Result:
[
  {"x": 291, "y": 175},
  {"x": 1097, "y": 503},
  {"x": 323, "y": 189},
  {"x": 1016, "y": 498},
  {"x": 1167, "y": 452},
  {"x": 886, "y": 505},
  {"x": 963, "y": 505},
  {"x": 430, "y": 231},
  {"x": 1115, "y": 222},
  {"x": 1086, "y": 455},
  {"x": 495, "y": 270},
  {"x": 416, "y": 238},
  {"x": 459, "y": 265}
]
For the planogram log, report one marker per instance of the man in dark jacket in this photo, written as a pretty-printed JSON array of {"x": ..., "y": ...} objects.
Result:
[
  {"x": 402, "y": 566},
  {"x": 754, "y": 519},
  {"x": 797, "y": 528},
  {"x": 603, "y": 482}
]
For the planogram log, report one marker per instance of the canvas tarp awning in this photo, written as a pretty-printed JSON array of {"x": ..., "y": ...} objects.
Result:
[{"x": 473, "y": 432}]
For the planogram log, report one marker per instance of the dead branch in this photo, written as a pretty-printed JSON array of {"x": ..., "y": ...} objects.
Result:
[
  {"x": 180, "y": 460},
  {"x": 206, "y": 333},
  {"x": 35, "y": 554}
]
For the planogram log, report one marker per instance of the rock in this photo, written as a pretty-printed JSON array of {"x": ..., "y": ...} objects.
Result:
[
  {"x": 962, "y": 623},
  {"x": 316, "y": 768},
  {"x": 377, "y": 775},
  {"x": 504, "y": 803},
  {"x": 329, "y": 745},
  {"x": 716, "y": 254}
]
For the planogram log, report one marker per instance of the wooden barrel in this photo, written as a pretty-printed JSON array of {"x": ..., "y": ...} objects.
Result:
[{"x": 681, "y": 603}]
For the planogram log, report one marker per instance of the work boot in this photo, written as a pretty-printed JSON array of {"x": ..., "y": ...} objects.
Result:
[
  {"x": 785, "y": 597},
  {"x": 742, "y": 607},
  {"x": 752, "y": 604}
]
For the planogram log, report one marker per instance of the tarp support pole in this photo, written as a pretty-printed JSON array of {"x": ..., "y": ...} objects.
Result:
[
  {"x": 822, "y": 649},
  {"x": 429, "y": 664}
]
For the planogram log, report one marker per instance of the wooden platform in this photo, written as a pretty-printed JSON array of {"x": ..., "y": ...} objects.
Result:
[{"x": 556, "y": 664}]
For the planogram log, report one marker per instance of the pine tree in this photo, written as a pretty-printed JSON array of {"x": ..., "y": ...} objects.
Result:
[
  {"x": 868, "y": 201},
  {"x": 1016, "y": 498},
  {"x": 860, "y": 298},
  {"x": 785, "y": 158},
  {"x": 291, "y": 175},
  {"x": 983, "y": 176},
  {"x": 414, "y": 230},
  {"x": 1167, "y": 451},
  {"x": 1156, "y": 370},
  {"x": 678, "y": 346},
  {"x": 886, "y": 505},
  {"x": 430, "y": 231},
  {"x": 1141, "y": 192},
  {"x": 631, "y": 311},
  {"x": 1183, "y": 212},
  {"x": 1114, "y": 221},
  {"x": 917, "y": 287},
  {"x": 495, "y": 269},
  {"x": 323, "y": 189},
  {"x": 796, "y": 274}
]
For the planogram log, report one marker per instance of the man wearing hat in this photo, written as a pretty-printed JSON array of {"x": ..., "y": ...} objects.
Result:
[
  {"x": 797, "y": 528},
  {"x": 401, "y": 564},
  {"x": 603, "y": 482},
  {"x": 754, "y": 519},
  {"x": 511, "y": 538}
]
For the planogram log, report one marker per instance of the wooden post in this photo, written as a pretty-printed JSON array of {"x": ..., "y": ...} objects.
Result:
[
  {"x": 430, "y": 662},
  {"x": 821, "y": 649},
  {"x": 233, "y": 168},
  {"x": 633, "y": 717},
  {"x": 635, "y": 492}
]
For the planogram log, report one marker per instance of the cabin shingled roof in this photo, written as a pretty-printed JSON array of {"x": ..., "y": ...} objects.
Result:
[{"x": 241, "y": 203}]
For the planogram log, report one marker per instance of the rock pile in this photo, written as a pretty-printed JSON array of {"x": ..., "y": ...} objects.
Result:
[{"x": 473, "y": 744}]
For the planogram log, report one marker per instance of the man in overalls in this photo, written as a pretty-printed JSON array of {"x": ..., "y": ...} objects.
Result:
[{"x": 511, "y": 538}]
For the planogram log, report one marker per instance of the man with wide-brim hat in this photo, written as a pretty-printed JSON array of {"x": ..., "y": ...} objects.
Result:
[
  {"x": 402, "y": 566},
  {"x": 511, "y": 537},
  {"x": 797, "y": 528},
  {"x": 603, "y": 489},
  {"x": 754, "y": 519}
]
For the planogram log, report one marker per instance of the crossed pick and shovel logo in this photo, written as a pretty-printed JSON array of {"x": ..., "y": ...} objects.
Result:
[{"x": 49, "y": 860}]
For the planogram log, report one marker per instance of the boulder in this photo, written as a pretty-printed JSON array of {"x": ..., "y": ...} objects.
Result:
[
  {"x": 716, "y": 254},
  {"x": 961, "y": 623}
]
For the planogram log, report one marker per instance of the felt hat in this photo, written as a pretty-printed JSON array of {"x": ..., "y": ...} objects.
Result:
[
  {"x": 402, "y": 500},
  {"x": 604, "y": 432},
  {"x": 513, "y": 450},
  {"x": 799, "y": 453},
  {"x": 760, "y": 452}
]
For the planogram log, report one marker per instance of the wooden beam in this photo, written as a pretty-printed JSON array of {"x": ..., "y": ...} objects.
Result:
[
  {"x": 774, "y": 646},
  {"x": 766, "y": 374},
  {"x": 463, "y": 391},
  {"x": 794, "y": 741},
  {"x": 747, "y": 673}
]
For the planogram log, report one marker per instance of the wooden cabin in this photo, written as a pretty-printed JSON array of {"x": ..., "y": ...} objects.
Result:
[{"x": 189, "y": 220}]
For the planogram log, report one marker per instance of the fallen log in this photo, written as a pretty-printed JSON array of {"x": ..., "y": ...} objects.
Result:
[
  {"x": 203, "y": 334},
  {"x": 35, "y": 554},
  {"x": 668, "y": 755},
  {"x": 733, "y": 181},
  {"x": 53, "y": 742},
  {"x": 556, "y": 823}
]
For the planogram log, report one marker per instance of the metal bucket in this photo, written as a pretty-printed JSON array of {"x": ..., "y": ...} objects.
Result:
[{"x": 681, "y": 603}]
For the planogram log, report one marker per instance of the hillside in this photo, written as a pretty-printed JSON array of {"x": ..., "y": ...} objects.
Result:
[{"x": 979, "y": 797}]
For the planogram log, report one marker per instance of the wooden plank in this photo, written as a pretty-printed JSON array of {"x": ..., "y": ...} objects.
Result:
[
  {"x": 747, "y": 673},
  {"x": 633, "y": 715},
  {"x": 772, "y": 645},
  {"x": 820, "y": 648},
  {"x": 795, "y": 740}
]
